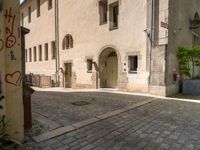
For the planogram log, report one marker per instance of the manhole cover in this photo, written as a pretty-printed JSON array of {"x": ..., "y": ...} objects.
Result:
[{"x": 80, "y": 103}]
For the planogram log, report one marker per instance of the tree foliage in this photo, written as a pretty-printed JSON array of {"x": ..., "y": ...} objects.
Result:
[{"x": 189, "y": 58}]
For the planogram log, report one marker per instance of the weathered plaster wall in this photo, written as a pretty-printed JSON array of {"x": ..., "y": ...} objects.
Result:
[
  {"x": 10, "y": 68},
  {"x": 81, "y": 20},
  {"x": 160, "y": 41},
  {"x": 42, "y": 30},
  {"x": 181, "y": 11}
]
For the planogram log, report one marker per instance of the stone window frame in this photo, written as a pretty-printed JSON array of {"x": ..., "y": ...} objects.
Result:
[
  {"x": 50, "y": 4},
  {"x": 89, "y": 59},
  {"x": 111, "y": 24},
  {"x": 68, "y": 42},
  {"x": 35, "y": 53},
  {"x": 103, "y": 10},
  {"x": 22, "y": 19},
  {"x": 26, "y": 55},
  {"x": 46, "y": 51},
  {"x": 29, "y": 14},
  {"x": 30, "y": 54},
  {"x": 138, "y": 54},
  {"x": 38, "y": 2},
  {"x": 40, "y": 52},
  {"x": 53, "y": 50}
]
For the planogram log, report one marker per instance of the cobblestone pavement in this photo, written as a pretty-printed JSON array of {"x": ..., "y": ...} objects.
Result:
[
  {"x": 58, "y": 107},
  {"x": 162, "y": 124}
]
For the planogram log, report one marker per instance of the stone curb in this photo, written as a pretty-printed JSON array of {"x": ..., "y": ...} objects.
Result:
[{"x": 62, "y": 130}]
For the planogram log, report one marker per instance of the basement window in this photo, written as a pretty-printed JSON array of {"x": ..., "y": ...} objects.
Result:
[
  {"x": 133, "y": 64},
  {"x": 89, "y": 65},
  {"x": 103, "y": 6},
  {"x": 114, "y": 12}
]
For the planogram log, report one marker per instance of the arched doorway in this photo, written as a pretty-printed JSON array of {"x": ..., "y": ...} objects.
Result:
[{"x": 108, "y": 68}]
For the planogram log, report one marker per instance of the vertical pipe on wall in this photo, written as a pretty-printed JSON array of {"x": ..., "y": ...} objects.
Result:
[
  {"x": 57, "y": 42},
  {"x": 152, "y": 37}
]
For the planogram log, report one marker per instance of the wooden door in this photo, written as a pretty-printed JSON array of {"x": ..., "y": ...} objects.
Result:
[
  {"x": 111, "y": 72},
  {"x": 68, "y": 75}
]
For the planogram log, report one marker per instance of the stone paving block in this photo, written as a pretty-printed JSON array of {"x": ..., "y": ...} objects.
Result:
[
  {"x": 46, "y": 121},
  {"x": 87, "y": 147},
  {"x": 53, "y": 133},
  {"x": 85, "y": 122},
  {"x": 68, "y": 140},
  {"x": 128, "y": 128}
]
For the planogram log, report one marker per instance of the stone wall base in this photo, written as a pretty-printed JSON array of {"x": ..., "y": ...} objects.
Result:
[{"x": 170, "y": 90}]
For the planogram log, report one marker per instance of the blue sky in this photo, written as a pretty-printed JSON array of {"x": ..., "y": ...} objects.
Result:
[{"x": 21, "y": 1}]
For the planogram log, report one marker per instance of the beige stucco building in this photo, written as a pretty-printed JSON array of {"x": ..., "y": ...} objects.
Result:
[{"x": 125, "y": 44}]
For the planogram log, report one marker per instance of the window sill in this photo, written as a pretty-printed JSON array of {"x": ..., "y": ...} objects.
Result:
[
  {"x": 89, "y": 71},
  {"x": 104, "y": 23},
  {"x": 113, "y": 28},
  {"x": 49, "y": 8},
  {"x": 132, "y": 72}
]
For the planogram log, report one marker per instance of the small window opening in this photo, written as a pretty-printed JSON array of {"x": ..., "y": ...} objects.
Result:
[
  {"x": 89, "y": 65},
  {"x": 133, "y": 64}
]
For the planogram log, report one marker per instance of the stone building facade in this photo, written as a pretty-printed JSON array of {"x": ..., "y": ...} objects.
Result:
[{"x": 125, "y": 44}]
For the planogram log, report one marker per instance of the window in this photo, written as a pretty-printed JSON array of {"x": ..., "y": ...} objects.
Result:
[
  {"x": 103, "y": 5},
  {"x": 46, "y": 51},
  {"x": 26, "y": 55},
  {"x": 30, "y": 55},
  {"x": 35, "y": 54},
  {"x": 53, "y": 50},
  {"x": 22, "y": 19},
  {"x": 196, "y": 40},
  {"x": 67, "y": 42},
  {"x": 50, "y": 4},
  {"x": 89, "y": 65},
  {"x": 40, "y": 52},
  {"x": 29, "y": 14},
  {"x": 114, "y": 12},
  {"x": 38, "y": 8},
  {"x": 133, "y": 63}
]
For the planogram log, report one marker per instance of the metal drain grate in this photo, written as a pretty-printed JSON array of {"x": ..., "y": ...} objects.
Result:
[{"x": 80, "y": 103}]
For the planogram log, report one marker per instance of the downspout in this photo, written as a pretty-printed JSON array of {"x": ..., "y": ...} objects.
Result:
[
  {"x": 57, "y": 43},
  {"x": 152, "y": 36}
]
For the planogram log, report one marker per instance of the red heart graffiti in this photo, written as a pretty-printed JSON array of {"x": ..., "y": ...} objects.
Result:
[{"x": 13, "y": 78}]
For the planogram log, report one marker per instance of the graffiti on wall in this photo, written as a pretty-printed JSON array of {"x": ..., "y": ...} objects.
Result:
[{"x": 12, "y": 78}]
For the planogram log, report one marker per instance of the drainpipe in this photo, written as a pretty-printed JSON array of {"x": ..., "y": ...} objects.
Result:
[
  {"x": 57, "y": 43},
  {"x": 152, "y": 37}
]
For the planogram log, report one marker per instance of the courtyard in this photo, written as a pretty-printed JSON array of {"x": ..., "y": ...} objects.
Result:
[{"x": 124, "y": 122}]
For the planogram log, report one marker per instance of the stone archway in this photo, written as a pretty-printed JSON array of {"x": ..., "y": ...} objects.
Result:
[{"x": 108, "y": 68}]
